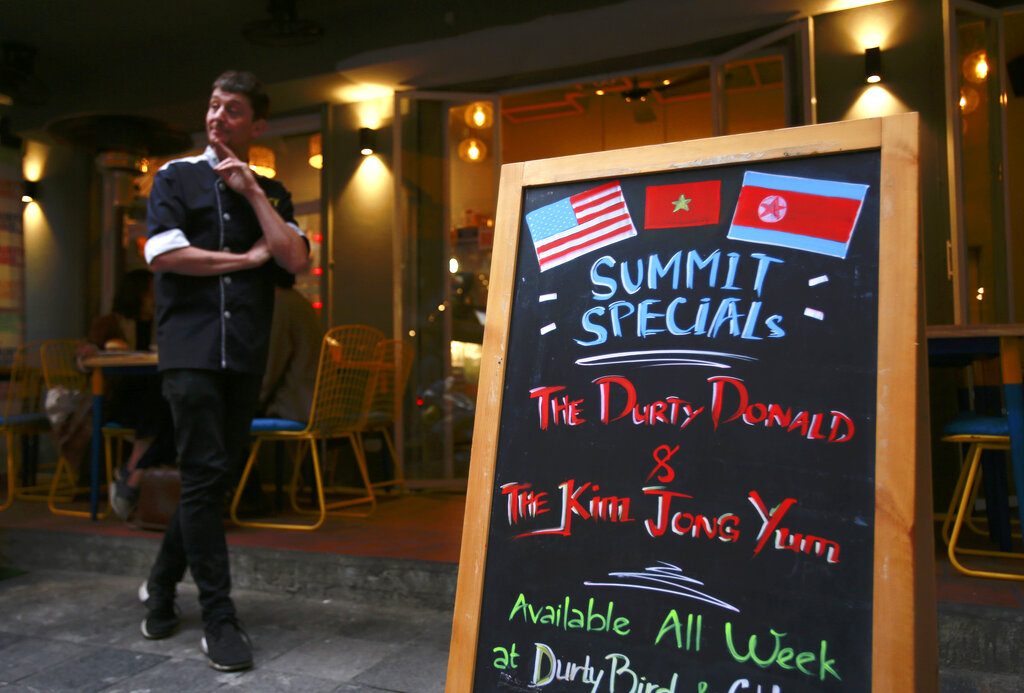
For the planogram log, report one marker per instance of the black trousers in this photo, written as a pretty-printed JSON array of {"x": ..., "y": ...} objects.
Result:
[{"x": 212, "y": 413}]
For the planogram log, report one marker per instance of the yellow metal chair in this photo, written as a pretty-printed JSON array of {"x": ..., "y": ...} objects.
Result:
[
  {"x": 979, "y": 433},
  {"x": 60, "y": 370},
  {"x": 345, "y": 384},
  {"x": 396, "y": 358},
  {"x": 23, "y": 417}
]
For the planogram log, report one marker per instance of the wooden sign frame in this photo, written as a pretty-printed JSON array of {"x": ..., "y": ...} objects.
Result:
[{"x": 904, "y": 650}]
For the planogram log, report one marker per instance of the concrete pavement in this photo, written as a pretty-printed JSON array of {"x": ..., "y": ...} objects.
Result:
[{"x": 76, "y": 631}]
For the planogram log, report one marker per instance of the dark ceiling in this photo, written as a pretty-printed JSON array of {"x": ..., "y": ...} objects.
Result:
[
  {"x": 156, "y": 59},
  {"x": 135, "y": 55}
]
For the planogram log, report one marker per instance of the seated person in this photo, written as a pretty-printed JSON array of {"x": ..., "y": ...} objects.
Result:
[
  {"x": 288, "y": 382},
  {"x": 295, "y": 336},
  {"x": 133, "y": 401}
]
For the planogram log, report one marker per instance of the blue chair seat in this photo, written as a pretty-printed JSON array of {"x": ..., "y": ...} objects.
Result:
[
  {"x": 975, "y": 425},
  {"x": 266, "y": 425},
  {"x": 34, "y": 419}
]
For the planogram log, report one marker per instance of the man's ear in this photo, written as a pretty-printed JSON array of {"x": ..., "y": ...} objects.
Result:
[{"x": 258, "y": 128}]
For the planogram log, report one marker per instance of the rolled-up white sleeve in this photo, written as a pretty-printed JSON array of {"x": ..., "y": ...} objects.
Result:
[{"x": 164, "y": 242}]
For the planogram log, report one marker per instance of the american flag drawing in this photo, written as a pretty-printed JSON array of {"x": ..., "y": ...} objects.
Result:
[{"x": 573, "y": 226}]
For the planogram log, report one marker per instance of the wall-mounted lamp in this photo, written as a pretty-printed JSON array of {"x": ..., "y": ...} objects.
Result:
[
  {"x": 262, "y": 161},
  {"x": 479, "y": 115},
  {"x": 975, "y": 67},
  {"x": 367, "y": 141},
  {"x": 472, "y": 150},
  {"x": 29, "y": 191},
  {"x": 873, "y": 65},
  {"x": 316, "y": 150}
]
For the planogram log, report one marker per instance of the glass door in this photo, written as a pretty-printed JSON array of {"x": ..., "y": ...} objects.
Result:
[
  {"x": 981, "y": 256},
  {"x": 446, "y": 177}
]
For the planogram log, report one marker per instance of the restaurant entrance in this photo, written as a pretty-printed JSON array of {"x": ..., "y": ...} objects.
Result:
[{"x": 449, "y": 150}]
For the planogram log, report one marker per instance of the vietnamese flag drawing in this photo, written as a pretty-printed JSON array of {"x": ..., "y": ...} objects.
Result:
[
  {"x": 684, "y": 204},
  {"x": 575, "y": 225},
  {"x": 818, "y": 216}
]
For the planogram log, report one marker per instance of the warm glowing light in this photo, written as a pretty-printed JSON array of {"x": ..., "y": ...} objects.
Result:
[
  {"x": 873, "y": 102},
  {"x": 318, "y": 271},
  {"x": 352, "y": 93},
  {"x": 666, "y": 82},
  {"x": 318, "y": 238},
  {"x": 599, "y": 92},
  {"x": 472, "y": 150},
  {"x": 453, "y": 265},
  {"x": 318, "y": 305},
  {"x": 261, "y": 161},
  {"x": 975, "y": 67},
  {"x": 968, "y": 99},
  {"x": 316, "y": 154},
  {"x": 479, "y": 115},
  {"x": 440, "y": 307},
  {"x": 372, "y": 172}
]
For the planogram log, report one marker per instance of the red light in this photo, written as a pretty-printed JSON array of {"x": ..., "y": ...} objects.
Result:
[
  {"x": 318, "y": 238},
  {"x": 419, "y": 401},
  {"x": 318, "y": 305},
  {"x": 317, "y": 271}
]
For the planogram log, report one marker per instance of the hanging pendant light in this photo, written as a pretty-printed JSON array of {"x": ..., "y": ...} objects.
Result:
[
  {"x": 316, "y": 153},
  {"x": 262, "y": 161}
]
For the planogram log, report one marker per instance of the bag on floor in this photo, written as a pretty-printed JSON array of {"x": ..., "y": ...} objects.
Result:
[{"x": 159, "y": 491}]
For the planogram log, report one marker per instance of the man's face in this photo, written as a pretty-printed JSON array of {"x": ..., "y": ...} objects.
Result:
[{"x": 229, "y": 120}]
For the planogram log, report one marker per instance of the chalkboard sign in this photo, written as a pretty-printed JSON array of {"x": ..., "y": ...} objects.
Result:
[{"x": 697, "y": 456}]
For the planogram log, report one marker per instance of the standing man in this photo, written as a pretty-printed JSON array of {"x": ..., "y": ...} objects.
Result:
[{"x": 215, "y": 233}]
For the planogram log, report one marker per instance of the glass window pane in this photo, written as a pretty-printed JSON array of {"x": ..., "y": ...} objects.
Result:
[{"x": 981, "y": 189}]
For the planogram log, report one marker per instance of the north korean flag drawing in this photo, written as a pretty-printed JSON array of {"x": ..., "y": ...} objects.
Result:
[
  {"x": 579, "y": 224},
  {"x": 682, "y": 204},
  {"x": 818, "y": 216}
]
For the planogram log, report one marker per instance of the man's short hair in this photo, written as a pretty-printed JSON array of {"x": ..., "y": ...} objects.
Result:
[{"x": 238, "y": 82}]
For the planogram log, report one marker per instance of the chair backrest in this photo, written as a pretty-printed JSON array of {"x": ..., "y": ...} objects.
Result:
[
  {"x": 24, "y": 393},
  {"x": 354, "y": 342},
  {"x": 345, "y": 382},
  {"x": 396, "y": 358},
  {"x": 60, "y": 366}
]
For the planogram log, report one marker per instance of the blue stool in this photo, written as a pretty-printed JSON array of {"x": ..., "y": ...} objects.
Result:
[{"x": 979, "y": 433}]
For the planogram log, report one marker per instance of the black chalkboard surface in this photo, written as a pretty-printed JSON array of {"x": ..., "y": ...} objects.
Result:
[{"x": 676, "y": 489}]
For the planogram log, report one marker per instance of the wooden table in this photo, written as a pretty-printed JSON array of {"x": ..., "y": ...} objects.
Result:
[
  {"x": 123, "y": 362},
  {"x": 1004, "y": 340}
]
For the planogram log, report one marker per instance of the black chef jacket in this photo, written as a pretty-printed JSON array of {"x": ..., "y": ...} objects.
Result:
[{"x": 220, "y": 322}]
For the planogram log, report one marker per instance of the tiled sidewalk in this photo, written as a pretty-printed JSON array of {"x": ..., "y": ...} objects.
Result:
[{"x": 65, "y": 631}]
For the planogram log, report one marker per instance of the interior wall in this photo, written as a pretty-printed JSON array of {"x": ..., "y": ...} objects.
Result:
[
  {"x": 909, "y": 33},
  {"x": 57, "y": 233},
  {"x": 360, "y": 194}
]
